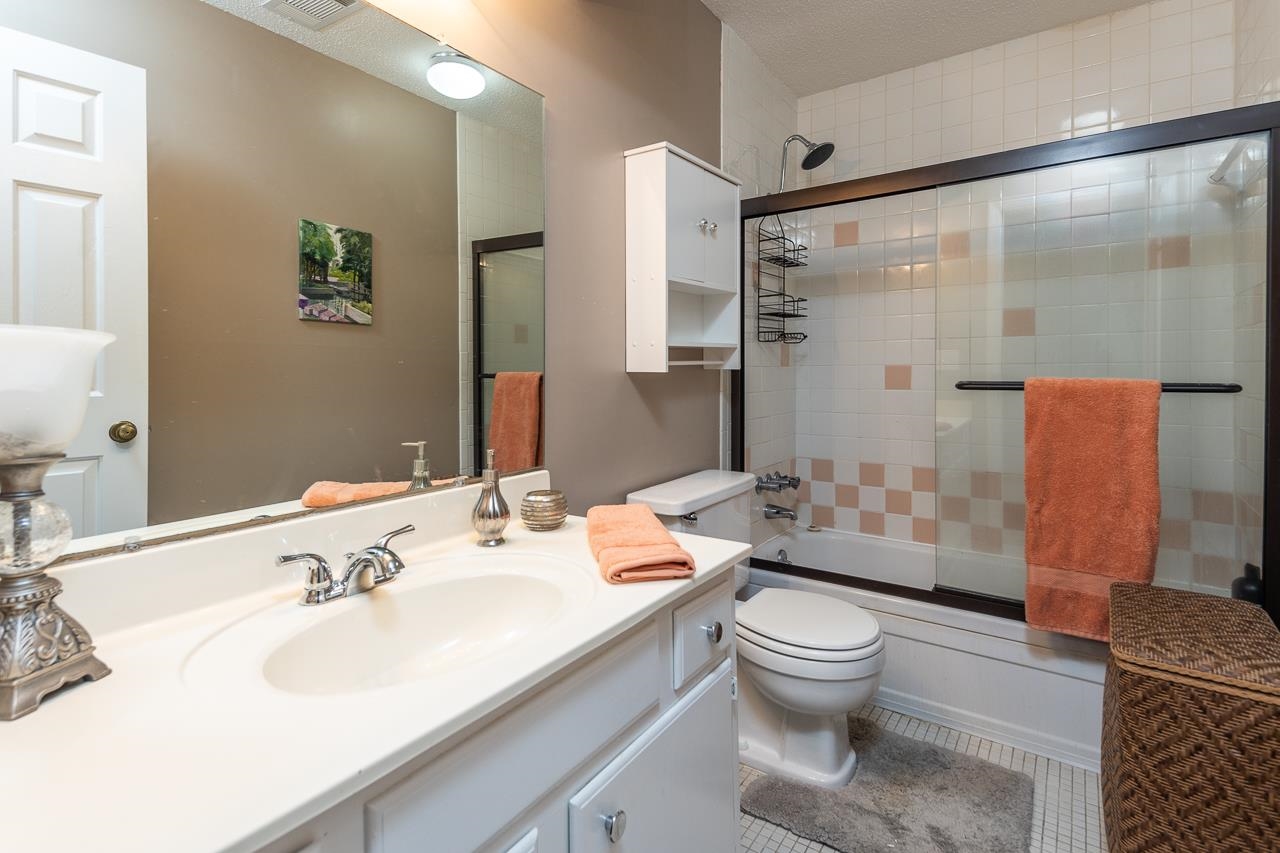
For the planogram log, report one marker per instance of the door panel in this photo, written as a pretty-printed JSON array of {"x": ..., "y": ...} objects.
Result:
[
  {"x": 722, "y": 241},
  {"x": 677, "y": 783},
  {"x": 73, "y": 249},
  {"x": 686, "y": 206}
]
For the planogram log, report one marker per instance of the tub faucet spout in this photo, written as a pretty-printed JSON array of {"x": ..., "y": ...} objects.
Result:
[{"x": 775, "y": 511}]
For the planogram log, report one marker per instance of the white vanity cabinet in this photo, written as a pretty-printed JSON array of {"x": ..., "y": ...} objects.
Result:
[
  {"x": 627, "y": 749},
  {"x": 683, "y": 261}
]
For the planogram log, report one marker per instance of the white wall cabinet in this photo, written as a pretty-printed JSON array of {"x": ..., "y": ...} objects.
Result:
[
  {"x": 683, "y": 262},
  {"x": 614, "y": 732}
]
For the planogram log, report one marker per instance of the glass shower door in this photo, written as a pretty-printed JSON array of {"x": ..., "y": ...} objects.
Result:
[
  {"x": 1148, "y": 265},
  {"x": 510, "y": 322}
]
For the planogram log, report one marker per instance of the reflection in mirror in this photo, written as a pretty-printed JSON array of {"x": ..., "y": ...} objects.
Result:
[{"x": 275, "y": 212}]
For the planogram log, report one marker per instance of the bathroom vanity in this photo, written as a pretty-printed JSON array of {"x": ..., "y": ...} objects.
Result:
[{"x": 500, "y": 699}]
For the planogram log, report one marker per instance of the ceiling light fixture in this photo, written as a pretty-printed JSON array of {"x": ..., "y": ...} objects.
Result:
[{"x": 452, "y": 75}]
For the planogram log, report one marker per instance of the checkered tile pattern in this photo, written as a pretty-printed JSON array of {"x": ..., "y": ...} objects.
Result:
[
  {"x": 878, "y": 499},
  {"x": 1067, "y": 816}
]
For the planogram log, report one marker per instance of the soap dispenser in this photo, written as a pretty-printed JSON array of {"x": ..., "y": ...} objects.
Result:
[
  {"x": 421, "y": 467},
  {"x": 491, "y": 515}
]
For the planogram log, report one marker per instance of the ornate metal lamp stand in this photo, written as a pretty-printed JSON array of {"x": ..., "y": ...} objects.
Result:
[{"x": 41, "y": 647}]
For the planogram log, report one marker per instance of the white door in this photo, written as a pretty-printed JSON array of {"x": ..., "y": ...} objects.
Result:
[
  {"x": 73, "y": 249},
  {"x": 723, "y": 246}
]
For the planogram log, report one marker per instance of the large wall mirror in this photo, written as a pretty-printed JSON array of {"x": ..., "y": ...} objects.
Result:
[{"x": 315, "y": 231}]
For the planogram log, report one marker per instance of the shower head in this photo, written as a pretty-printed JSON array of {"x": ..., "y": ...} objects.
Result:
[{"x": 816, "y": 153}]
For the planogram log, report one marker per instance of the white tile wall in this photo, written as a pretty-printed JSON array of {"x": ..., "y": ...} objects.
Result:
[
  {"x": 500, "y": 192},
  {"x": 1161, "y": 60},
  {"x": 1257, "y": 49}
]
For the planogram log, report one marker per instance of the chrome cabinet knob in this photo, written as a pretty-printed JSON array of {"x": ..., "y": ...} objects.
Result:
[
  {"x": 123, "y": 432},
  {"x": 614, "y": 825},
  {"x": 713, "y": 226},
  {"x": 702, "y": 224},
  {"x": 715, "y": 632}
]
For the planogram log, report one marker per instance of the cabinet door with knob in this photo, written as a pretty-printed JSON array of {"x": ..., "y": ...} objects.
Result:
[{"x": 674, "y": 788}]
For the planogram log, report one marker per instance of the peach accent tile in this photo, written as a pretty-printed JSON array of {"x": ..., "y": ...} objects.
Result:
[
  {"x": 846, "y": 495},
  {"x": 824, "y": 516},
  {"x": 984, "y": 484},
  {"x": 955, "y": 508},
  {"x": 1015, "y": 516},
  {"x": 989, "y": 540},
  {"x": 954, "y": 245},
  {"x": 846, "y": 233},
  {"x": 1019, "y": 322},
  {"x": 784, "y": 356},
  {"x": 871, "y": 473},
  {"x": 822, "y": 470},
  {"x": 1175, "y": 534},
  {"x": 924, "y": 530},
  {"x": 804, "y": 494},
  {"x": 1166, "y": 252},
  {"x": 924, "y": 479},
  {"x": 1212, "y": 506},
  {"x": 897, "y": 377},
  {"x": 897, "y": 502},
  {"x": 871, "y": 523},
  {"x": 1215, "y": 571}
]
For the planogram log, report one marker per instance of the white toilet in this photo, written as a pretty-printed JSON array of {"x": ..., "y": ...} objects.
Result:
[{"x": 804, "y": 660}]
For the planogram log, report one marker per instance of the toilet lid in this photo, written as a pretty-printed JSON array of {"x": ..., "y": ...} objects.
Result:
[{"x": 808, "y": 620}]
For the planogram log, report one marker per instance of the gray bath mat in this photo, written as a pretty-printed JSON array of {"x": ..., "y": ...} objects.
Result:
[{"x": 906, "y": 796}]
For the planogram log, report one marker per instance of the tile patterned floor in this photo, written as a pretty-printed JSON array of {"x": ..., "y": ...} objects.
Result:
[{"x": 1068, "y": 810}]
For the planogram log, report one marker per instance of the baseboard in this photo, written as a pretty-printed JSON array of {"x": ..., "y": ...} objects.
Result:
[{"x": 1068, "y": 752}]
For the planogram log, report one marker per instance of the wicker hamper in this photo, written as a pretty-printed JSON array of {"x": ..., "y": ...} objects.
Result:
[{"x": 1190, "y": 724}]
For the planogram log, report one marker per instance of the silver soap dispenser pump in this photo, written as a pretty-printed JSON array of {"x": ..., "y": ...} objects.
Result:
[
  {"x": 421, "y": 467},
  {"x": 491, "y": 515}
]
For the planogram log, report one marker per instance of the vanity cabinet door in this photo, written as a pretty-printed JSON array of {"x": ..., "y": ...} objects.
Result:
[{"x": 674, "y": 788}]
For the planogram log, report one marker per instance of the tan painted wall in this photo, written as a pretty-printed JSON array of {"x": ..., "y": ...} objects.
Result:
[
  {"x": 616, "y": 74},
  {"x": 248, "y": 132}
]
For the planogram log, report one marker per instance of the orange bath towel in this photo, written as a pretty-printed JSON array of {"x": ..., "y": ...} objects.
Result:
[
  {"x": 630, "y": 544},
  {"x": 330, "y": 493},
  {"x": 1093, "y": 497},
  {"x": 515, "y": 427}
]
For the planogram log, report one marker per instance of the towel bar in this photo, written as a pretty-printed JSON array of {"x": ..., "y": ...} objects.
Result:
[{"x": 1166, "y": 387}]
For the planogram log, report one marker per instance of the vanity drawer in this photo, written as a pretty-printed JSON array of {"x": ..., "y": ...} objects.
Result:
[
  {"x": 460, "y": 800},
  {"x": 695, "y": 647}
]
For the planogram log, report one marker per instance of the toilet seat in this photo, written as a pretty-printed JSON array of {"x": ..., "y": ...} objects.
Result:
[
  {"x": 746, "y": 634},
  {"x": 813, "y": 626},
  {"x": 866, "y": 666}
]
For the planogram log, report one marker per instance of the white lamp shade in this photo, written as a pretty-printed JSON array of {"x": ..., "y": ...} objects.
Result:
[
  {"x": 46, "y": 374},
  {"x": 455, "y": 79}
]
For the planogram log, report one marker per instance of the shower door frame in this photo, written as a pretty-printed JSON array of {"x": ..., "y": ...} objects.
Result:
[{"x": 1240, "y": 121}]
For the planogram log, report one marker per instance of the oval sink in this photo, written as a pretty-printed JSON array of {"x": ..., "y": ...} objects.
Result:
[
  {"x": 437, "y": 617},
  {"x": 395, "y": 638}
]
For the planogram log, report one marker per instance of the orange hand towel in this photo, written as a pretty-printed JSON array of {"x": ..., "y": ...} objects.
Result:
[
  {"x": 630, "y": 544},
  {"x": 330, "y": 493},
  {"x": 515, "y": 427},
  {"x": 1093, "y": 497}
]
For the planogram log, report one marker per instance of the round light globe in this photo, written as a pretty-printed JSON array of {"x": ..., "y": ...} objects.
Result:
[{"x": 455, "y": 79}]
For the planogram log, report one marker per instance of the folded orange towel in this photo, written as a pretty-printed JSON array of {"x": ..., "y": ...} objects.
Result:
[
  {"x": 630, "y": 544},
  {"x": 330, "y": 493},
  {"x": 515, "y": 427},
  {"x": 1093, "y": 497}
]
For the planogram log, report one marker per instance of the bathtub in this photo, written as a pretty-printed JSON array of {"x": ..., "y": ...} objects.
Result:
[
  {"x": 854, "y": 554},
  {"x": 980, "y": 673}
]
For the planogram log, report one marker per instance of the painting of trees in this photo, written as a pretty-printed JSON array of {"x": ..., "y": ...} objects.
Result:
[
  {"x": 315, "y": 250},
  {"x": 335, "y": 273}
]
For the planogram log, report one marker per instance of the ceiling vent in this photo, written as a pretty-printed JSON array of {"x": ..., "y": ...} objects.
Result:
[{"x": 314, "y": 14}]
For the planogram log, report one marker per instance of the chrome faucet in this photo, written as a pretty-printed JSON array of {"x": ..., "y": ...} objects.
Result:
[
  {"x": 378, "y": 559},
  {"x": 776, "y": 482},
  {"x": 775, "y": 511}
]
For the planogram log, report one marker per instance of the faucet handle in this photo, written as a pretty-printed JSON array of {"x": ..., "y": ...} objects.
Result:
[
  {"x": 386, "y": 540},
  {"x": 319, "y": 582}
]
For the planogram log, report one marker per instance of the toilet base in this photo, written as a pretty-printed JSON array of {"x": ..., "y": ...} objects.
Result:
[{"x": 778, "y": 741}]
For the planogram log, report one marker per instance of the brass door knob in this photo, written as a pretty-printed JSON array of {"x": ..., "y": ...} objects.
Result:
[{"x": 123, "y": 432}]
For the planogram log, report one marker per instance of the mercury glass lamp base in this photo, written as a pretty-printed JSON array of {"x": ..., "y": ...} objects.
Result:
[{"x": 42, "y": 648}]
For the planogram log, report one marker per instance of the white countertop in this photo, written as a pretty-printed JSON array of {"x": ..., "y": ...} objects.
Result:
[{"x": 146, "y": 761}]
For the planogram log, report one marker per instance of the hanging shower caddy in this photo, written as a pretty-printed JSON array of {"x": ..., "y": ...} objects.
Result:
[{"x": 775, "y": 254}]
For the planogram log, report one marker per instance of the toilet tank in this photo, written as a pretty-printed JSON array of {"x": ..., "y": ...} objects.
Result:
[{"x": 708, "y": 503}]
